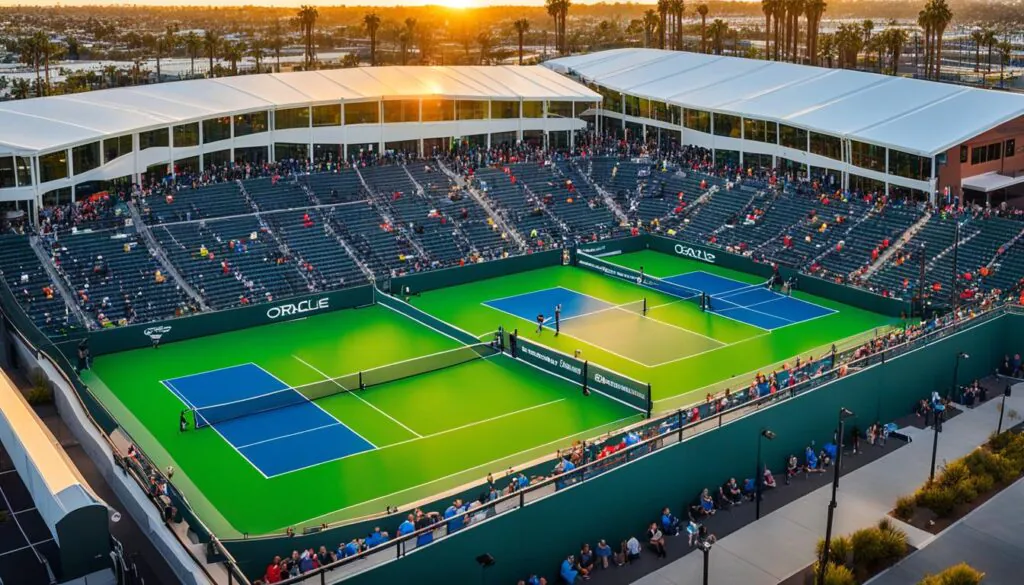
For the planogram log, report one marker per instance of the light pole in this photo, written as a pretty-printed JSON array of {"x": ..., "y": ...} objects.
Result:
[
  {"x": 956, "y": 373},
  {"x": 937, "y": 425},
  {"x": 1002, "y": 409},
  {"x": 844, "y": 414},
  {"x": 705, "y": 545},
  {"x": 758, "y": 475}
]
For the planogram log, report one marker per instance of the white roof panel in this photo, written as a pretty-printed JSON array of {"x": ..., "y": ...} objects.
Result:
[
  {"x": 54, "y": 122},
  {"x": 890, "y": 111}
]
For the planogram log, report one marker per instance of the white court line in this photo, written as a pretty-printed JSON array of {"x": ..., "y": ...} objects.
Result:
[
  {"x": 349, "y": 391},
  {"x": 693, "y": 355},
  {"x": 313, "y": 402},
  {"x": 170, "y": 387},
  {"x": 430, "y": 436},
  {"x": 327, "y": 426},
  {"x": 561, "y": 334},
  {"x": 213, "y": 370},
  {"x": 805, "y": 320},
  {"x": 799, "y": 300},
  {"x": 540, "y": 290},
  {"x": 450, "y": 475}
]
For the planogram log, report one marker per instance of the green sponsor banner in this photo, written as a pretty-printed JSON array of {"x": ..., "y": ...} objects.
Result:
[
  {"x": 608, "y": 383},
  {"x": 135, "y": 336}
]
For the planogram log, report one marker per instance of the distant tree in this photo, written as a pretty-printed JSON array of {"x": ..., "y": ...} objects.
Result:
[
  {"x": 702, "y": 10},
  {"x": 306, "y": 18},
  {"x": 21, "y": 88},
  {"x": 521, "y": 26},
  {"x": 651, "y": 22},
  {"x": 233, "y": 53},
  {"x": 677, "y": 8},
  {"x": 372, "y": 24},
  {"x": 212, "y": 42},
  {"x": 276, "y": 43},
  {"x": 978, "y": 38},
  {"x": 942, "y": 17},
  {"x": 408, "y": 37},
  {"x": 813, "y": 11},
  {"x": 193, "y": 45},
  {"x": 719, "y": 29},
  {"x": 256, "y": 51},
  {"x": 768, "y": 8},
  {"x": 990, "y": 41},
  {"x": 1005, "y": 52},
  {"x": 485, "y": 41},
  {"x": 664, "y": 6},
  {"x": 827, "y": 49}
]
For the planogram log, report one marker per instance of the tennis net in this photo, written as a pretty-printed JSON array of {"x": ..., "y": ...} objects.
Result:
[
  {"x": 743, "y": 297},
  {"x": 596, "y": 264},
  {"x": 217, "y": 413}
]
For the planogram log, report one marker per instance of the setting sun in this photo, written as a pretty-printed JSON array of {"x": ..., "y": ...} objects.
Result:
[{"x": 456, "y": 3}]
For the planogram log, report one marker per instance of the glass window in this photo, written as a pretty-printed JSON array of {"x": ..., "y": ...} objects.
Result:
[
  {"x": 698, "y": 120},
  {"x": 396, "y": 111},
  {"x": 645, "y": 108},
  {"x": 53, "y": 166},
  {"x": 760, "y": 130},
  {"x": 252, "y": 123},
  {"x": 825, "y": 145},
  {"x": 659, "y": 111},
  {"x": 329, "y": 115},
  {"x": 632, "y": 105},
  {"x": 363, "y": 113},
  {"x": 438, "y": 110},
  {"x": 154, "y": 139},
  {"x": 7, "y": 172},
  {"x": 560, "y": 110},
  {"x": 726, "y": 125},
  {"x": 911, "y": 166},
  {"x": 865, "y": 184},
  {"x": 1011, "y": 147},
  {"x": 867, "y": 156},
  {"x": 533, "y": 109},
  {"x": 612, "y": 99},
  {"x": 116, "y": 147},
  {"x": 291, "y": 118},
  {"x": 984, "y": 154},
  {"x": 216, "y": 129},
  {"x": 219, "y": 158},
  {"x": 186, "y": 135},
  {"x": 24, "y": 170},
  {"x": 504, "y": 110},
  {"x": 252, "y": 154},
  {"x": 792, "y": 137},
  {"x": 474, "y": 110},
  {"x": 291, "y": 150},
  {"x": 85, "y": 157}
]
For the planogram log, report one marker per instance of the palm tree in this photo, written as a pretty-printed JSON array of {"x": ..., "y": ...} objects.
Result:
[
  {"x": 276, "y": 43},
  {"x": 521, "y": 26},
  {"x": 564, "y": 6},
  {"x": 406, "y": 37},
  {"x": 677, "y": 7},
  {"x": 664, "y": 7},
  {"x": 990, "y": 41},
  {"x": 943, "y": 16},
  {"x": 306, "y": 18},
  {"x": 813, "y": 11},
  {"x": 212, "y": 42},
  {"x": 29, "y": 50},
  {"x": 372, "y": 23},
  {"x": 256, "y": 51},
  {"x": 651, "y": 22},
  {"x": 719, "y": 29},
  {"x": 1005, "y": 52},
  {"x": 796, "y": 9},
  {"x": 702, "y": 10},
  {"x": 193, "y": 44},
  {"x": 768, "y": 8},
  {"x": 110, "y": 71},
  {"x": 485, "y": 42},
  {"x": 233, "y": 53},
  {"x": 827, "y": 48},
  {"x": 20, "y": 88},
  {"x": 894, "y": 39},
  {"x": 163, "y": 45},
  {"x": 978, "y": 38}
]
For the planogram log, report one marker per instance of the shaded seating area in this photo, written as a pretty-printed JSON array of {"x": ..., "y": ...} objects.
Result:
[
  {"x": 187, "y": 204},
  {"x": 330, "y": 188},
  {"x": 315, "y": 249},
  {"x": 270, "y": 194},
  {"x": 33, "y": 288}
]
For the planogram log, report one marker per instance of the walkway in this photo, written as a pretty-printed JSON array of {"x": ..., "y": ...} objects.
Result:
[{"x": 782, "y": 543}]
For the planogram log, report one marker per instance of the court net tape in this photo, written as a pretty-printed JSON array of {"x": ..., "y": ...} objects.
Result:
[{"x": 218, "y": 413}]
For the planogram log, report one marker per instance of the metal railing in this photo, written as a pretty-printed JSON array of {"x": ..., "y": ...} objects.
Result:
[{"x": 663, "y": 431}]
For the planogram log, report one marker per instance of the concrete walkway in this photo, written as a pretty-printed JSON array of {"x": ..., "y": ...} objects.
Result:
[{"x": 783, "y": 542}]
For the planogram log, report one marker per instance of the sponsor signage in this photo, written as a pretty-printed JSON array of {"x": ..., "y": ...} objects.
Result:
[
  {"x": 293, "y": 309},
  {"x": 695, "y": 253}
]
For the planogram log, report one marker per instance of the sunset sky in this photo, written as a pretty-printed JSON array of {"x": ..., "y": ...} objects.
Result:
[{"x": 450, "y": 3}]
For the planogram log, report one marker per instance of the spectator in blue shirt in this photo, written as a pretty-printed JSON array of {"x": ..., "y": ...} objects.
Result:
[
  {"x": 376, "y": 538},
  {"x": 669, "y": 523},
  {"x": 604, "y": 552},
  {"x": 585, "y": 564},
  {"x": 407, "y": 527},
  {"x": 568, "y": 571}
]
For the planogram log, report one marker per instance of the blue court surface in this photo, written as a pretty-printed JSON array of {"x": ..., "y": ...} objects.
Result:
[
  {"x": 753, "y": 305},
  {"x": 276, "y": 441},
  {"x": 543, "y": 302}
]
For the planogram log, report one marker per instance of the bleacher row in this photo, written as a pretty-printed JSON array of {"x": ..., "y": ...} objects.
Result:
[{"x": 238, "y": 243}]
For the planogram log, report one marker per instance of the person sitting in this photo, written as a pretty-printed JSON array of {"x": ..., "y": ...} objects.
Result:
[
  {"x": 585, "y": 564},
  {"x": 669, "y": 523},
  {"x": 723, "y": 501},
  {"x": 604, "y": 553},
  {"x": 632, "y": 549},
  {"x": 568, "y": 571},
  {"x": 792, "y": 468},
  {"x": 707, "y": 505},
  {"x": 749, "y": 489},
  {"x": 824, "y": 460},
  {"x": 692, "y": 529},
  {"x": 656, "y": 538},
  {"x": 732, "y": 491},
  {"x": 768, "y": 480}
]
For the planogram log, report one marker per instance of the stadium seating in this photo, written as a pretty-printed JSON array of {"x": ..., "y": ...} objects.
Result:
[
  {"x": 330, "y": 188},
  {"x": 523, "y": 211},
  {"x": 33, "y": 288},
  {"x": 315, "y": 248},
  {"x": 218, "y": 200},
  {"x": 114, "y": 276},
  {"x": 269, "y": 194}
]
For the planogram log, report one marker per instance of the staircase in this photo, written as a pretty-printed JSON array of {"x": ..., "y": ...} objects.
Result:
[
  {"x": 609, "y": 201},
  {"x": 161, "y": 255},
  {"x": 383, "y": 208},
  {"x": 901, "y": 241},
  {"x": 482, "y": 201},
  {"x": 70, "y": 298},
  {"x": 348, "y": 249}
]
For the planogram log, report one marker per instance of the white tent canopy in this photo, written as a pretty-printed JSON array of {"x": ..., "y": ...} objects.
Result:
[
  {"x": 988, "y": 182},
  {"x": 920, "y": 117},
  {"x": 42, "y": 124}
]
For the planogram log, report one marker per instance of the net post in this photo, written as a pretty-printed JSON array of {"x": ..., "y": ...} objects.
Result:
[
  {"x": 586, "y": 377},
  {"x": 650, "y": 401},
  {"x": 645, "y": 307},
  {"x": 361, "y": 385}
]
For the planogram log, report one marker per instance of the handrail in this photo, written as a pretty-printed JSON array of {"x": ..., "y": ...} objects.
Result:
[{"x": 399, "y": 547}]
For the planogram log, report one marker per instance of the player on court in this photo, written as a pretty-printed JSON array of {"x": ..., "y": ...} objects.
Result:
[
  {"x": 558, "y": 318},
  {"x": 540, "y": 322}
]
